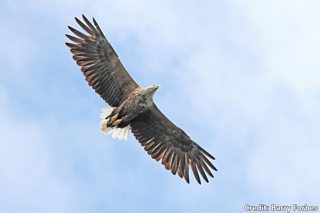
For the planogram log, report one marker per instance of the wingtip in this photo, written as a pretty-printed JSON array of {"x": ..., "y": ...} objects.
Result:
[
  {"x": 68, "y": 36},
  {"x": 71, "y": 45},
  {"x": 77, "y": 20},
  {"x": 206, "y": 179},
  {"x": 70, "y": 28},
  {"x": 207, "y": 153},
  {"x": 187, "y": 180},
  {"x": 95, "y": 22}
]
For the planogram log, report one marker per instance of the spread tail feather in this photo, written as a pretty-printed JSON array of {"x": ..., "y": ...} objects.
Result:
[{"x": 106, "y": 112}]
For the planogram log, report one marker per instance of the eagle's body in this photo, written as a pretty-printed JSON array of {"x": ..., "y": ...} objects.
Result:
[
  {"x": 117, "y": 120},
  {"x": 139, "y": 101},
  {"x": 132, "y": 106}
]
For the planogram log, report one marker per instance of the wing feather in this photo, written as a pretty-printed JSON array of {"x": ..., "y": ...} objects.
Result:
[
  {"x": 186, "y": 168},
  {"x": 203, "y": 174},
  {"x": 175, "y": 163},
  {"x": 100, "y": 63},
  {"x": 172, "y": 146},
  {"x": 195, "y": 172},
  {"x": 181, "y": 165}
]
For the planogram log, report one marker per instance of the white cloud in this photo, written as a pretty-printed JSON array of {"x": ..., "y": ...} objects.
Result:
[
  {"x": 28, "y": 180},
  {"x": 274, "y": 103},
  {"x": 284, "y": 163}
]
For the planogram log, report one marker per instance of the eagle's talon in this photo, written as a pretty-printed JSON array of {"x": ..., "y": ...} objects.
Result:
[
  {"x": 116, "y": 122},
  {"x": 113, "y": 118}
]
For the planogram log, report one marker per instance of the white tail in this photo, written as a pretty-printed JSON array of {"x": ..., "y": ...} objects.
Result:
[
  {"x": 106, "y": 112},
  {"x": 117, "y": 133}
]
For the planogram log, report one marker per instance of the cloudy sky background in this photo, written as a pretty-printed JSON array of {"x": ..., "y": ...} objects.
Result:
[{"x": 255, "y": 63}]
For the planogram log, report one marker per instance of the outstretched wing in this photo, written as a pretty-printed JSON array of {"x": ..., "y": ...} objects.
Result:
[
  {"x": 100, "y": 64},
  {"x": 167, "y": 142}
]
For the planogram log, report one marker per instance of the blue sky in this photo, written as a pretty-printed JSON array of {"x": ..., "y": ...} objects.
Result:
[{"x": 256, "y": 64}]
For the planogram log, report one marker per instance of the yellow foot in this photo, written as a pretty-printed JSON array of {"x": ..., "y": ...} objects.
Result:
[
  {"x": 104, "y": 126},
  {"x": 113, "y": 118},
  {"x": 116, "y": 122}
]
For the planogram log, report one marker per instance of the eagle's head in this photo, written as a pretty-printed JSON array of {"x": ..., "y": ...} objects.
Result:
[{"x": 148, "y": 92}]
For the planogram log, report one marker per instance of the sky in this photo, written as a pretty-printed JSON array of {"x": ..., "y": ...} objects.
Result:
[{"x": 240, "y": 77}]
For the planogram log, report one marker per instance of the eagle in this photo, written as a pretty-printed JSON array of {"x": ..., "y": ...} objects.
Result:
[{"x": 132, "y": 107}]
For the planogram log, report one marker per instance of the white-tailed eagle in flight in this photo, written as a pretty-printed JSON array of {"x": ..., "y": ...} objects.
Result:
[{"x": 132, "y": 106}]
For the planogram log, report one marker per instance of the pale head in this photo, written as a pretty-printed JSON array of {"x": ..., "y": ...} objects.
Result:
[{"x": 149, "y": 91}]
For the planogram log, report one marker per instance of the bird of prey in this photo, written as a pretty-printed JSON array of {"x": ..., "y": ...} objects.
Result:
[{"x": 132, "y": 107}]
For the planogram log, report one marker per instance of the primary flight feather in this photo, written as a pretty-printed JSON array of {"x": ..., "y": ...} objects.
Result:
[{"x": 132, "y": 106}]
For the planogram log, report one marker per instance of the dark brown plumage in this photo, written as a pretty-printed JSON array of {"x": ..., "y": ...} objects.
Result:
[
  {"x": 134, "y": 107},
  {"x": 171, "y": 145},
  {"x": 100, "y": 63}
]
